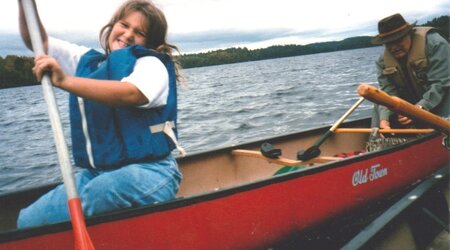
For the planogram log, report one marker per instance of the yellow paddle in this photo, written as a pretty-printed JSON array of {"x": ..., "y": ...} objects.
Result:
[
  {"x": 81, "y": 236},
  {"x": 314, "y": 150}
]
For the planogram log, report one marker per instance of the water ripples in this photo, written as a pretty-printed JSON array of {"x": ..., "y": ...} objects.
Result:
[{"x": 222, "y": 105}]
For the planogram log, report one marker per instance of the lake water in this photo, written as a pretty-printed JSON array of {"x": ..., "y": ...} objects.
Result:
[{"x": 222, "y": 105}]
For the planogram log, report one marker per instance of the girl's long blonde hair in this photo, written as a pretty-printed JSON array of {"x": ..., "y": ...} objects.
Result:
[{"x": 156, "y": 30}]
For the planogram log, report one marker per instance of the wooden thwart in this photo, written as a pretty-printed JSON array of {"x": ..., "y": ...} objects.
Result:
[
  {"x": 384, "y": 131},
  {"x": 282, "y": 160}
]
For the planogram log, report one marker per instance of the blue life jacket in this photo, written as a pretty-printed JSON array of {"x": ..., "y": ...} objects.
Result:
[{"x": 117, "y": 136}]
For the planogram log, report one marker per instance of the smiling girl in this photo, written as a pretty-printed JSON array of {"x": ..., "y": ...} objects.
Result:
[{"x": 123, "y": 110}]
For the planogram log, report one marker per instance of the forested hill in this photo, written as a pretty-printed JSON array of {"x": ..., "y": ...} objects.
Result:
[
  {"x": 234, "y": 55},
  {"x": 16, "y": 70}
]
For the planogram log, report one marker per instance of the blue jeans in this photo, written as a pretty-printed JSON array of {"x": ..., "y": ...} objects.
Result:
[{"x": 106, "y": 190}]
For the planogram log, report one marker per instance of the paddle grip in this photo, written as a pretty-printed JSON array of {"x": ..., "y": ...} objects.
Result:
[{"x": 403, "y": 107}]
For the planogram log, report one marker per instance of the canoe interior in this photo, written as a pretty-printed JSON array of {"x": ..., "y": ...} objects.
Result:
[{"x": 218, "y": 169}]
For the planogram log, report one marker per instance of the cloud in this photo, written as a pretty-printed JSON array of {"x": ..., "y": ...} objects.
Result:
[
  {"x": 12, "y": 45},
  {"x": 204, "y": 41},
  {"x": 202, "y": 25}
]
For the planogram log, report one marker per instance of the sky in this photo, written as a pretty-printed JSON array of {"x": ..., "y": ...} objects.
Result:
[{"x": 204, "y": 25}]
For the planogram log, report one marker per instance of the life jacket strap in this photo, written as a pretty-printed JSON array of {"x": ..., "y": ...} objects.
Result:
[{"x": 167, "y": 128}]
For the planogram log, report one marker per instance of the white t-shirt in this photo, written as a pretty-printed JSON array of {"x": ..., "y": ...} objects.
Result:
[{"x": 149, "y": 75}]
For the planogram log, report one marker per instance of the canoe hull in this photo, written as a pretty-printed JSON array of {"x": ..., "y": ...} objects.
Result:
[{"x": 257, "y": 214}]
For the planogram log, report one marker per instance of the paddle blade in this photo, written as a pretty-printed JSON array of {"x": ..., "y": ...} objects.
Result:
[
  {"x": 308, "y": 154},
  {"x": 81, "y": 236}
]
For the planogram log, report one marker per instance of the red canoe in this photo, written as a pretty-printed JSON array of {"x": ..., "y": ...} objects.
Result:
[{"x": 231, "y": 198}]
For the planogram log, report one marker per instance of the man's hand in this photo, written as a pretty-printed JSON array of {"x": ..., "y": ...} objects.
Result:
[
  {"x": 384, "y": 124},
  {"x": 403, "y": 120}
]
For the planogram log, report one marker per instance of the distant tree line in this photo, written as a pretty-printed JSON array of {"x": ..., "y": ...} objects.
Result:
[
  {"x": 442, "y": 24},
  {"x": 234, "y": 55},
  {"x": 16, "y": 71}
]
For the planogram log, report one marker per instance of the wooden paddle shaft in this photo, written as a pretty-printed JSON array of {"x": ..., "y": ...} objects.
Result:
[
  {"x": 402, "y": 107},
  {"x": 333, "y": 127},
  {"x": 81, "y": 237},
  {"x": 61, "y": 146},
  {"x": 338, "y": 122}
]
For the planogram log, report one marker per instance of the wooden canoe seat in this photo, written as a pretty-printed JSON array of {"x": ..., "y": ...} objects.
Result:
[
  {"x": 281, "y": 160},
  {"x": 384, "y": 131}
]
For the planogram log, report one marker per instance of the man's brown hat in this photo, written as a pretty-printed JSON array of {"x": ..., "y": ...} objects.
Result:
[{"x": 391, "y": 28}]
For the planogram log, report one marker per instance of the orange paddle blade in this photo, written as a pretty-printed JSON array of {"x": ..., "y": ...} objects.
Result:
[{"x": 81, "y": 236}]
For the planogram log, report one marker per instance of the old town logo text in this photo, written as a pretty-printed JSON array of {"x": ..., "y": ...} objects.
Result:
[{"x": 369, "y": 174}]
